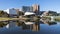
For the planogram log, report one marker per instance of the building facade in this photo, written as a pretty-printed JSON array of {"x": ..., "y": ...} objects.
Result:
[
  {"x": 36, "y": 9},
  {"x": 11, "y": 12},
  {"x": 27, "y": 8}
]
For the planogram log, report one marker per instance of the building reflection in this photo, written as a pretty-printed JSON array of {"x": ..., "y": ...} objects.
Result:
[
  {"x": 34, "y": 26},
  {"x": 28, "y": 24}
]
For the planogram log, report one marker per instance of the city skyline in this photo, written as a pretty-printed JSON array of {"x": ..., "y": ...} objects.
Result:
[{"x": 45, "y": 5}]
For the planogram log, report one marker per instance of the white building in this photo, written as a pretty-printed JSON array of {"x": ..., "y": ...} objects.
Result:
[
  {"x": 11, "y": 12},
  {"x": 29, "y": 13}
]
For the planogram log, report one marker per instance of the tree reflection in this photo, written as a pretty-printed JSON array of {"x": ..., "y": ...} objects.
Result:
[{"x": 2, "y": 24}]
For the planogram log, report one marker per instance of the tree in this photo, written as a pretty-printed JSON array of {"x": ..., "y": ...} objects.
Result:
[
  {"x": 52, "y": 13},
  {"x": 3, "y": 14}
]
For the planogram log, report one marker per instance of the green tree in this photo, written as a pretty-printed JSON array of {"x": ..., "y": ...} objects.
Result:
[{"x": 3, "y": 14}]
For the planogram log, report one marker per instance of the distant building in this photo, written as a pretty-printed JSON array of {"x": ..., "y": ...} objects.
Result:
[
  {"x": 34, "y": 8},
  {"x": 27, "y": 8},
  {"x": 41, "y": 12},
  {"x": 11, "y": 12},
  {"x": 45, "y": 13}
]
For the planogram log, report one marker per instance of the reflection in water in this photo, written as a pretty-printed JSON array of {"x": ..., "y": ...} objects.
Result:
[
  {"x": 28, "y": 24},
  {"x": 3, "y": 24},
  {"x": 48, "y": 21},
  {"x": 11, "y": 24},
  {"x": 34, "y": 26},
  {"x": 39, "y": 26}
]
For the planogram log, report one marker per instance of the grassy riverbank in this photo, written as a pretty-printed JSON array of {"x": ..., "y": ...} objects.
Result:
[
  {"x": 56, "y": 18},
  {"x": 21, "y": 18},
  {"x": 2, "y": 18}
]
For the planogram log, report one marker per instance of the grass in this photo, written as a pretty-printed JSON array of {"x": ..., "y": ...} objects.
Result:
[
  {"x": 2, "y": 18},
  {"x": 56, "y": 18}
]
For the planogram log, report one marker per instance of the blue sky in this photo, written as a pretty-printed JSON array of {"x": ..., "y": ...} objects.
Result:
[{"x": 45, "y": 5}]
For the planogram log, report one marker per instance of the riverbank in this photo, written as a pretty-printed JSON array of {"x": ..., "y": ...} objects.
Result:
[
  {"x": 2, "y": 18},
  {"x": 22, "y": 18},
  {"x": 56, "y": 18}
]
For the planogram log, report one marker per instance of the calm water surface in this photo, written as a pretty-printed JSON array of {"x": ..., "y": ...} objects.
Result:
[{"x": 44, "y": 29}]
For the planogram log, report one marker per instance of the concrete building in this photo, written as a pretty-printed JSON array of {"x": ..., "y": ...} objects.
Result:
[
  {"x": 11, "y": 12},
  {"x": 36, "y": 8}
]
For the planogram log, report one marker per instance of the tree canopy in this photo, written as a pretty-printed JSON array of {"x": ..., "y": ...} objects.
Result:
[{"x": 3, "y": 14}]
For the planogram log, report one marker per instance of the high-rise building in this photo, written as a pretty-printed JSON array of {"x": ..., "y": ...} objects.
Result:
[
  {"x": 27, "y": 8},
  {"x": 36, "y": 9}
]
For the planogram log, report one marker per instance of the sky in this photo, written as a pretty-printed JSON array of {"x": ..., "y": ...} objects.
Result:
[{"x": 45, "y": 5}]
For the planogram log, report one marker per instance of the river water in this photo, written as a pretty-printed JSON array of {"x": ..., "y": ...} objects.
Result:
[{"x": 44, "y": 29}]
